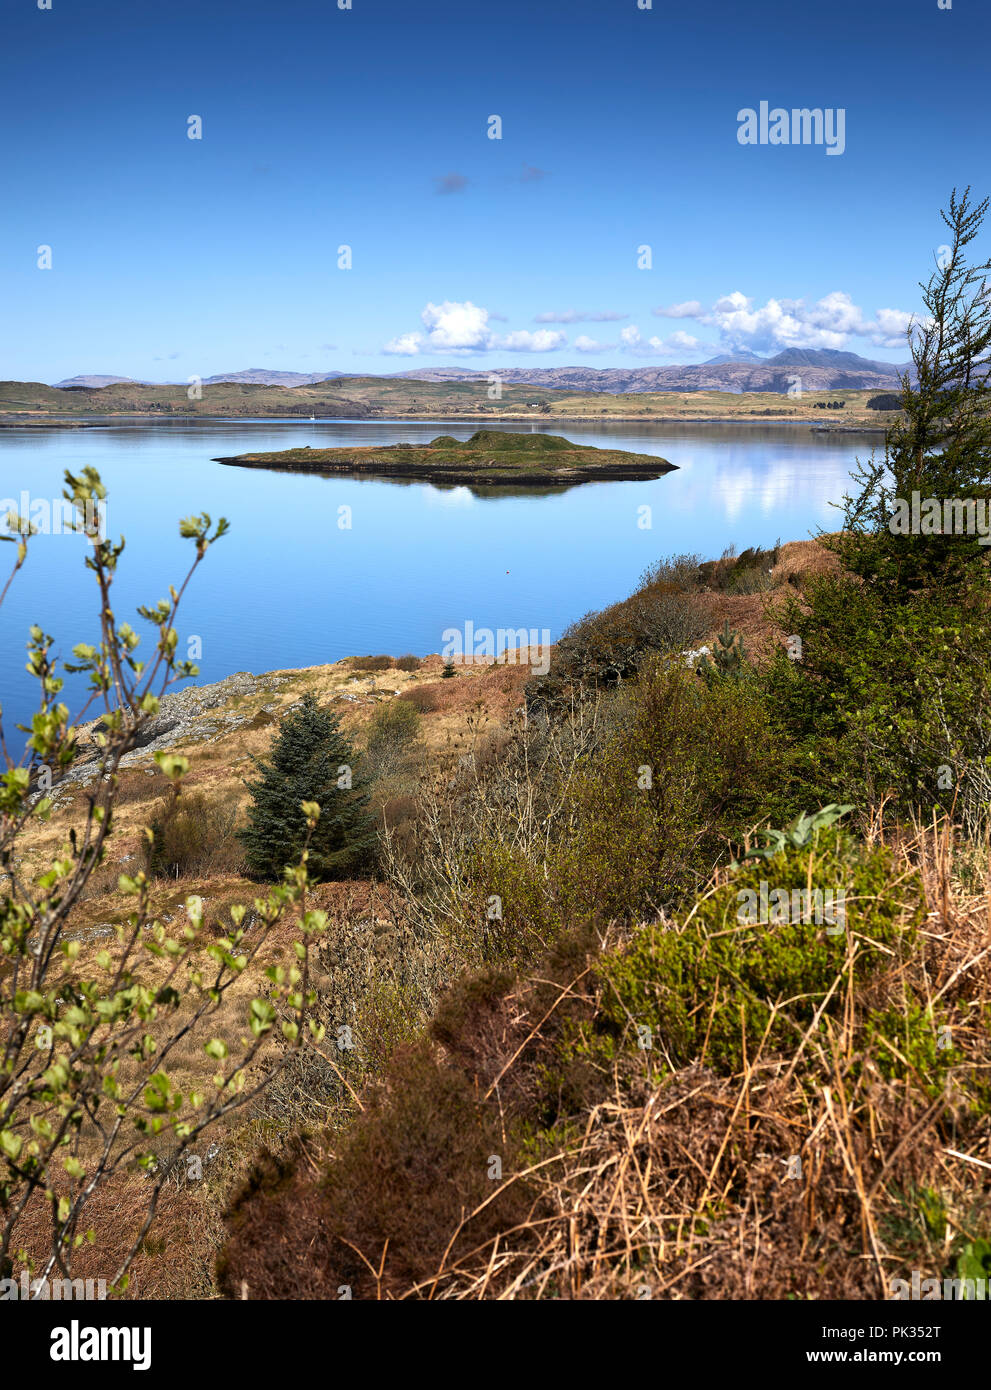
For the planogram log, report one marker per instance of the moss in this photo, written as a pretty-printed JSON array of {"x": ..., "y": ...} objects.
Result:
[{"x": 910, "y": 1043}]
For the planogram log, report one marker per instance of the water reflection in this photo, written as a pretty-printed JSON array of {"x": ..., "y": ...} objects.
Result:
[{"x": 291, "y": 587}]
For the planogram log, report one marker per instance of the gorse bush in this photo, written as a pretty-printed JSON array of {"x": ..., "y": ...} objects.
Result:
[
  {"x": 747, "y": 573},
  {"x": 664, "y": 615},
  {"x": 718, "y": 988},
  {"x": 684, "y": 776},
  {"x": 310, "y": 761}
]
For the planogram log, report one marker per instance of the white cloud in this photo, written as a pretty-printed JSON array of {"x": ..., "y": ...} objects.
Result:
[
  {"x": 791, "y": 323},
  {"x": 892, "y": 326},
  {"x": 458, "y": 327},
  {"x": 461, "y": 327},
  {"x": 544, "y": 340},
  {"x": 585, "y": 344},
  {"x": 406, "y": 345},
  {"x": 580, "y": 316},
  {"x": 835, "y": 312},
  {"x": 776, "y": 324},
  {"x": 689, "y": 310},
  {"x": 636, "y": 343}
]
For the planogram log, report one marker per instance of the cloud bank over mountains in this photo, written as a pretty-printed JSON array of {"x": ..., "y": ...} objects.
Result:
[{"x": 736, "y": 323}]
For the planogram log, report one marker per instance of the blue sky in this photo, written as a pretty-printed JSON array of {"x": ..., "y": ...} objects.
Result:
[{"x": 368, "y": 128}]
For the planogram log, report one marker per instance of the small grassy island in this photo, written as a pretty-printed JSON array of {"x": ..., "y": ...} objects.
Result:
[{"x": 491, "y": 457}]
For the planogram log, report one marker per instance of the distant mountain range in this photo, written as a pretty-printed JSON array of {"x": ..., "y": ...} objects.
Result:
[
  {"x": 91, "y": 382},
  {"x": 742, "y": 356},
  {"x": 254, "y": 376},
  {"x": 819, "y": 369}
]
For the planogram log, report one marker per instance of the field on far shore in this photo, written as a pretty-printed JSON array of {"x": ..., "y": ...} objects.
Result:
[{"x": 360, "y": 398}]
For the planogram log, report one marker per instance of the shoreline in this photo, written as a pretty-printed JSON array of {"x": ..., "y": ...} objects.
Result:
[{"x": 101, "y": 421}]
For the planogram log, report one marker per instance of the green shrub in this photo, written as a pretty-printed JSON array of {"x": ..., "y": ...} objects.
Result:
[
  {"x": 684, "y": 771},
  {"x": 517, "y": 912},
  {"x": 717, "y": 988},
  {"x": 888, "y": 699},
  {"x": 909, "y": 1044},
  {"x": 689, "y": 772},
  {"x": 394, "y": 725}
]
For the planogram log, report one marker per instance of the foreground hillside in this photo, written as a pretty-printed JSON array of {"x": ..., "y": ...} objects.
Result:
[{"x": 558, "y": 1063}]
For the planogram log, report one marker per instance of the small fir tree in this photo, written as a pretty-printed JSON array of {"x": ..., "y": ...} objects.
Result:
[
  {"x": 727, "y": 659},
  {"x": 942, "y": 448},
  {"x": 310, "y": 760}
]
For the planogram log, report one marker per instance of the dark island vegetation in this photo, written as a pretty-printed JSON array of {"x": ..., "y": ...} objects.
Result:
[{"x": 489, "y": 457}]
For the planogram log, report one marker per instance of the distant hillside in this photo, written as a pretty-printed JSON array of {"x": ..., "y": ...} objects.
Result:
[
  {"x": 742, "y": 356},
  {"x": 820, "y": 369},
  {"x": 264, "y": 376},
  {"x": 361, "y": 398},
  {"x": 88, "y": 382},
  {"x": 831, "y": 357}
]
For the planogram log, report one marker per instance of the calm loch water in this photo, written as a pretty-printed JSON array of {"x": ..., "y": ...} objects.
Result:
[{"x": 290, "y": 587}]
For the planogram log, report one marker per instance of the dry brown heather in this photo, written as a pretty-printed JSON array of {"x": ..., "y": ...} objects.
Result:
[
  {"x": 665, "y": 1192},
  {"x": 465, "y": 715}
]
